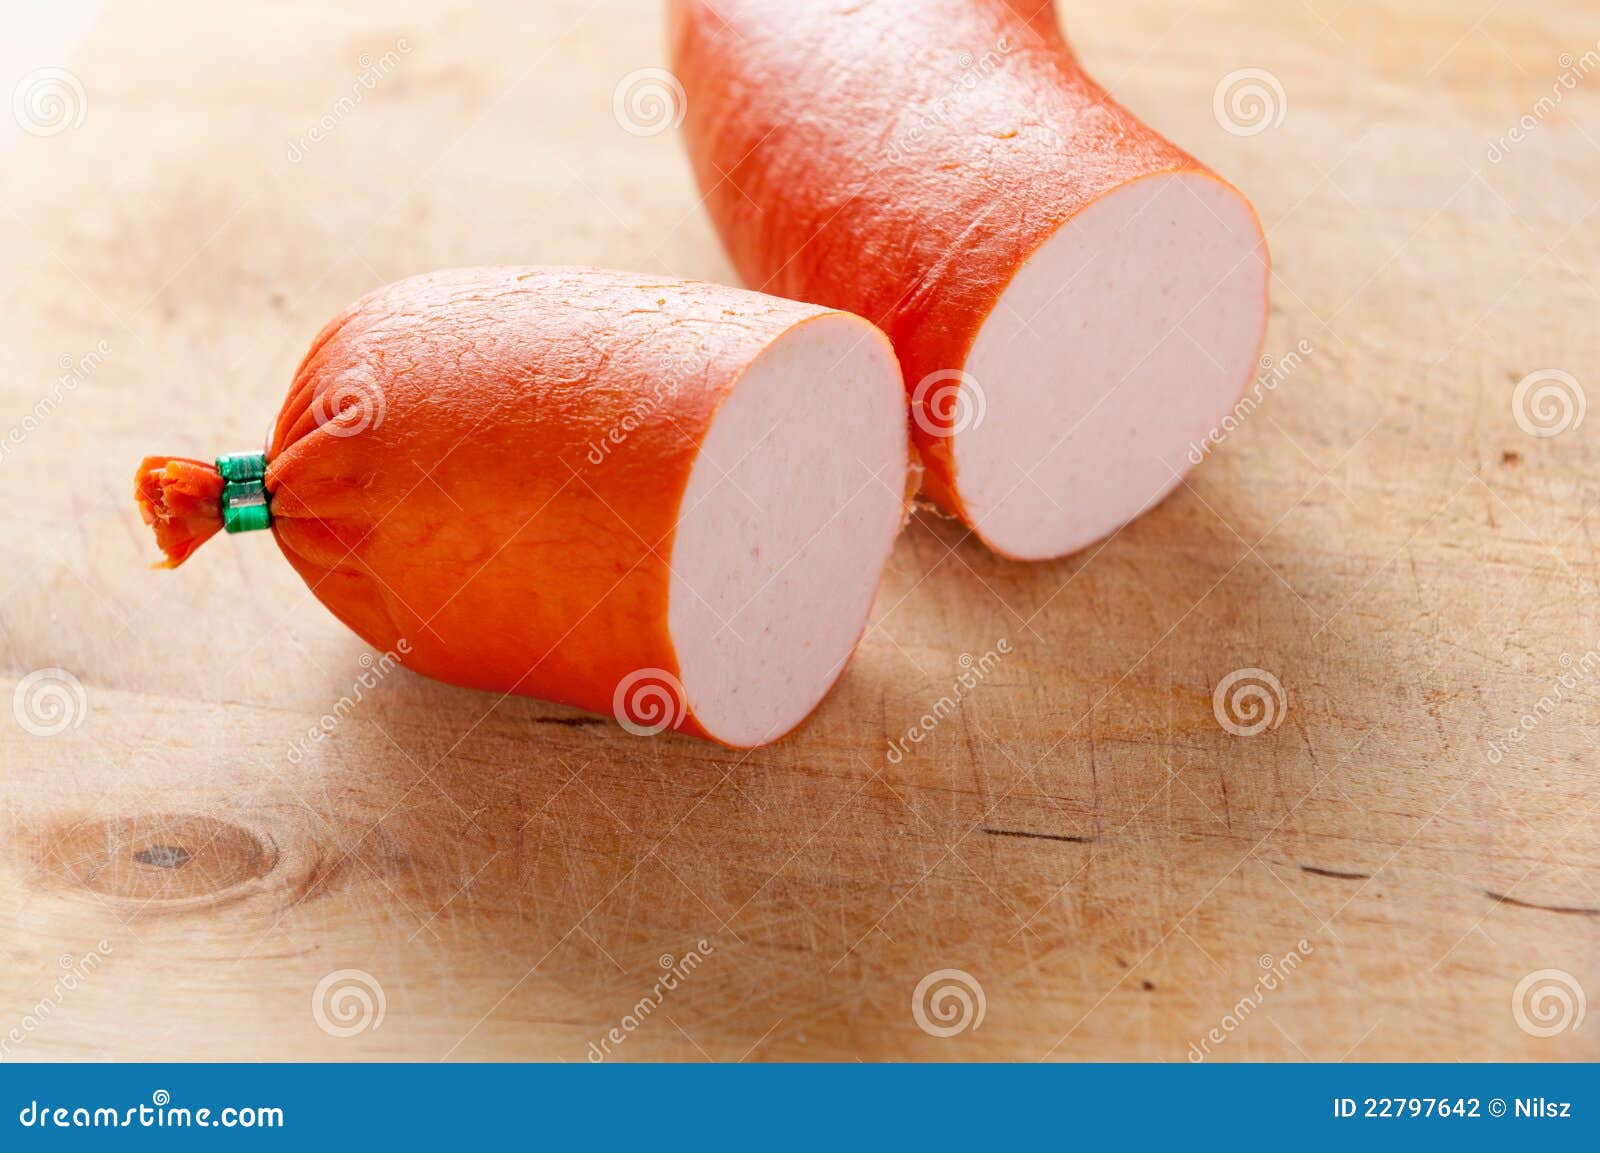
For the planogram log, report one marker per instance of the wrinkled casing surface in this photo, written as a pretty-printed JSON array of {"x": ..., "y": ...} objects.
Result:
[
  {"x": 900, "y": 159},
  {"x": 457, "y": 503}
]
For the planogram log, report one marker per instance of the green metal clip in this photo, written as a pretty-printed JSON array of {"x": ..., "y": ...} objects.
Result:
[
  {"x": 243, "y": 466},
  {"x": 245, "y": 502}
]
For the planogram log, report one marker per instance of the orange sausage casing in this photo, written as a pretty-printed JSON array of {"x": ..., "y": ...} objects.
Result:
[
  {"x": 491, "y": 463},
  {"x": 903, "y": 159}
]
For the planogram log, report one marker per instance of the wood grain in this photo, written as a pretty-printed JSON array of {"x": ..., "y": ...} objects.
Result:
[{"x": 1079, "y": 834}]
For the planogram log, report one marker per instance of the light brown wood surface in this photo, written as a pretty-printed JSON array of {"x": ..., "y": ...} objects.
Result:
[{"x": 1081, "y": 836}]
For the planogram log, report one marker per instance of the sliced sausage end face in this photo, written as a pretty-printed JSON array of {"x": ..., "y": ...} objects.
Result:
[
  {"x": 789, "y": 516},
  {"x": 1108, "y": 361}
]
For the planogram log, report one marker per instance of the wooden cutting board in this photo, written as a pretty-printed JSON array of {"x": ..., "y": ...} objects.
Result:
[{"x": 1379, "y": 873}]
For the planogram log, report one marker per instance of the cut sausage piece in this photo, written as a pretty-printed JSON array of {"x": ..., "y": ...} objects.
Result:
[
  {"x": 665, "y": 500},
  {"x": 1116, "y": 348},
  {"x": 1075, "y": 301},
  {"x": 788, "y": 518}
]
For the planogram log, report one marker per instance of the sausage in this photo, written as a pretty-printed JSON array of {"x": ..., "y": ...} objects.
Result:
[
  {"x": 1075, "y": 301},
  {"x": 667, "y": 500}
]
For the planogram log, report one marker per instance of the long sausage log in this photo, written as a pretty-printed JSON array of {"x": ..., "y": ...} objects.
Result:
[
  {"x": 661, "y": 499},
  {"x": 1075, "y": 301}
]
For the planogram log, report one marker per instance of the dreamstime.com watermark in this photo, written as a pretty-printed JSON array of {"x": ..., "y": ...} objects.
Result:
[
  {"x": 376, "y": 669},
  {"x": 350, "y": 407},
  {"x": 671, "y": 370},
  {"x": 48, "y": 702},
  {"x": 1274, "y": 371},
  {"x": 948, "y": 402},
  {"x": 74, "y": 371},
  {"x": 348, "y": 1001},
  {"x": 1275, "y": 971},
  {"x": 649, "y": 701},
  {"x": 373, "y": 71},
  {"x": 1248, "y": 702},
  {"x": 48, "y": 102},
  {"x": 947, "y": 1002},
  {"x": 1548, "y": 403},
  {"x": 647, "y": 402},
  {"x": 160, "y": 1113},
  {"x": 677, "y": 970},
  {"x": 1574, "y": 673},
  {"x": 75, "y": 972},
  {"x": 1574, "y": 71},
  {"x": 1547, "y": 1002},
  {"x": 973, "y": 670},
  {"x": 1248, "y": 101},
  {"x": 648, "y": 102},
  {"x": 974, "y": 70}
]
